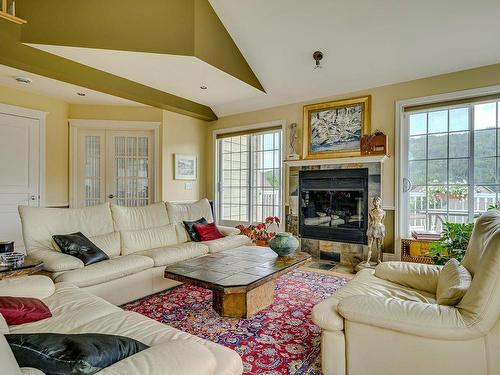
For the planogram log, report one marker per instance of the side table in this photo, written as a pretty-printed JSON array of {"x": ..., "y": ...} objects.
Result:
[
  {"x": 414, "y": 251},
  {"x": 24, "y": 269}
]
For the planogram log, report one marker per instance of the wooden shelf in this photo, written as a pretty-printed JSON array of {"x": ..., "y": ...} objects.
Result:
[
  {"x": 3, "y": 13},
  {"x": 348, "y": 160},
  {"x": 11, "y": 18}
]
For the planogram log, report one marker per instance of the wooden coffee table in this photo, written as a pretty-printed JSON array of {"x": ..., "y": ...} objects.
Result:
[
  {"x": 242, "y": 279},
  {"x": 24, "y": 269}
]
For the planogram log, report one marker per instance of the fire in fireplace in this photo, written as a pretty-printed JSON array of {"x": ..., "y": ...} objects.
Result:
[{"x": 334, "y": 205}]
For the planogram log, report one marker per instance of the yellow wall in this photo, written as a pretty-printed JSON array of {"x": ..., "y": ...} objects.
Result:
[
  {"x": 183, "y": 135},
  {"x": 383, "y": 103},
  {"x": 56, "y": 141},
  {"x": 113, "y": 112}
]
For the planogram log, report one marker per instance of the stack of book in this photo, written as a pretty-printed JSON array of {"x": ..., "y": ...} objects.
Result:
[{"x": 425, "y": 236}]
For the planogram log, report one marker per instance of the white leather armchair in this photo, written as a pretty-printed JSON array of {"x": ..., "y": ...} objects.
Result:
[{"x": 387, "y": 321}]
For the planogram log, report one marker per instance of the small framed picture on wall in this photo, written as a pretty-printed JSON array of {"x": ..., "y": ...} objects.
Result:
[{"x": 186, "y": 167}]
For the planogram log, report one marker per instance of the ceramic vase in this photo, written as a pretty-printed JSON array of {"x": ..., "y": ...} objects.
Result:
[{"x": 284, "y": 244}]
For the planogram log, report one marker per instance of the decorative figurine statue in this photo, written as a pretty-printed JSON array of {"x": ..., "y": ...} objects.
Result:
[
  {"x": 375, "y": 233},
  {"x": 293, "y": 142}
]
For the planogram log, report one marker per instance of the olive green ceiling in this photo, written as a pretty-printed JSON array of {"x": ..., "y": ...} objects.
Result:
[{"x": 170, "y": 27}]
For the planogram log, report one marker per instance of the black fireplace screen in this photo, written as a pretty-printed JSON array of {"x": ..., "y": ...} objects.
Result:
[{"x": 334, "y": 205}]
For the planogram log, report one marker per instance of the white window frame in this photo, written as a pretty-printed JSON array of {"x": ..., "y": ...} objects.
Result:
[
  {"x": 250, "y": 128},
  {"x": 76, "y": 124},
  {"x": 401, "y": 157}
]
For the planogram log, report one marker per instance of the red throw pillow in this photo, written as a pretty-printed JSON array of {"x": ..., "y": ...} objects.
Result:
[
  {"x": 207, "y": 232},
  {"x": 19, "y": 310}
]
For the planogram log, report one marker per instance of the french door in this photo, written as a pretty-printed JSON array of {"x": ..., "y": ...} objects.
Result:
[{"x": 114, "y": 166}]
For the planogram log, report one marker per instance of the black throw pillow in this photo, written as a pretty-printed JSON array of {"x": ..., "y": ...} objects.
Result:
[
  {"x": 81, "y": 247},
  {"x": 61, "y": 354},
  {"x": 193, "y": 234}
]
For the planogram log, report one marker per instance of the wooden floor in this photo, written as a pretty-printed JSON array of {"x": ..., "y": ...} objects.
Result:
[{"x": 332, "y": 272}]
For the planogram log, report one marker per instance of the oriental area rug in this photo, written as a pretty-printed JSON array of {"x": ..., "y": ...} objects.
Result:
[{"x": 280, "y": 339}]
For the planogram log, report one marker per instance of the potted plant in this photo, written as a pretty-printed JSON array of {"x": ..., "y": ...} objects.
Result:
[
  {"x": 260, "y": 233},
  {"x": 453, "y": 243}
]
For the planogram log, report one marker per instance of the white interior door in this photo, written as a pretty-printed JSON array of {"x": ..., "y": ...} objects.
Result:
[
  {"x": 129, "y": 172},
  {"x": 114, "y": 166},
  {"x": 19, "y": 173}
]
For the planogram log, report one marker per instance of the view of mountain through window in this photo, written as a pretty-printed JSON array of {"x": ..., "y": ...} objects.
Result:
[{"x": 453, "y": 164}]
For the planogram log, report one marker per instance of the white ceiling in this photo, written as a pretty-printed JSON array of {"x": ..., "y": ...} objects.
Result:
[
  {"x": 178, "y": 75},
  {"x": 58, "y": 89},
  {"x": 366, "y": 44}
]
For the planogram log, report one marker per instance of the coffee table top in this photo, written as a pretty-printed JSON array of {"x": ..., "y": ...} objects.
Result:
[{"x": 246, "y": 266}]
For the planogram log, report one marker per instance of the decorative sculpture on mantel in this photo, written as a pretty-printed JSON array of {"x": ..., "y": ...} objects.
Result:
[
  {"x": 375, "y": 233},
  {"x": 293, "y": 143}
]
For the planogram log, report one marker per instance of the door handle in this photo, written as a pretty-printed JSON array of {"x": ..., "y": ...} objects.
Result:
[
  {"x": 33, "y": 197},
  {"x": 111, "y": 196}
]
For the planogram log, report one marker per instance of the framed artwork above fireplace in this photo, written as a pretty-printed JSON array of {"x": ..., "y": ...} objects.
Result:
[{"x": 334, "y": 129}]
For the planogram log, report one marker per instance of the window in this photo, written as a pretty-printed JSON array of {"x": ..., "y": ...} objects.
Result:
[
  {"x": 452, "y": 164},
  {"x": 249, "y": 176}
]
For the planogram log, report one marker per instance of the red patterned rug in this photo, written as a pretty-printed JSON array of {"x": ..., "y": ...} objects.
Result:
[{"x": 281, "y": 339}]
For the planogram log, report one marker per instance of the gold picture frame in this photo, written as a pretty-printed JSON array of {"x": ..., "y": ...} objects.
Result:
[{"x": 354, "y": 115}]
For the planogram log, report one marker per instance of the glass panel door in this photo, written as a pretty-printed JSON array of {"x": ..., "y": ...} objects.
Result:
[
  {"x": 91, "y": 167},
  {"x": 129, "y": 181}
]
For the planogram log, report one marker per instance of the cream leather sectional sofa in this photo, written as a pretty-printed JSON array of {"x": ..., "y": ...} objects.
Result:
[
  {"x": 140, "y": 242},
  {"x": 170, "y": 352}
]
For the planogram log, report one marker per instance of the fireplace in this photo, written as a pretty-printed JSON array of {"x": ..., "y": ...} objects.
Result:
[{"x": 333, "y": 205}]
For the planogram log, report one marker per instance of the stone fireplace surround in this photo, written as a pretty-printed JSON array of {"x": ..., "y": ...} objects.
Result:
[{"x": 348, "y": 254}]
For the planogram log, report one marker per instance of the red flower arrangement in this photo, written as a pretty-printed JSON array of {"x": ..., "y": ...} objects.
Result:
[{"x": 259, "y": 233}]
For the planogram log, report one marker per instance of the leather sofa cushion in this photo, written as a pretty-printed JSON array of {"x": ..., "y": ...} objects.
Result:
[
  {"x": 20, "y": 310},
  {"x": 8, "y": 362},
  {"x": 208, "y": 232},
  {"x": 225, "y": 243},
  {"x": 71, "y": 307},
  {"x": 325, "y": 313},
  {"x": 453, "y": 282},
  {"x": 35, "y": 286},
  {"x": 195, "y": 359},
  {"x": 109, "y": 243},
  {"x": 4, "y": 327},
  {"x": 165, "y": 256},
  {"x": 79, "y": 246},
  {"x": 149, "y": 238},
  {"x": 40, "y": 224},
  {"x": 192, "y": 233},
  {"x": 133, "y": 218},
  {"x": 179, "y": 212},
  {"x": 84, "y": 354},
  {"x": 152, "y": 333},
  {"x": 106, "y": 270}
]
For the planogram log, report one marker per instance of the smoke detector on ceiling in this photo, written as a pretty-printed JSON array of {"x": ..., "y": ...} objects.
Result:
[
  {"x": 318, "y": 56},
  {"x": 24, "y": 80}
]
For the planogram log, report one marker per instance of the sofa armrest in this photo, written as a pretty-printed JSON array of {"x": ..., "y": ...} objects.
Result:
[
  {"x": 414, "y": 275},
  {"x": 228, "y": 231},
  {"x": 409, "y": 317},
  {"x": 34, "y": 286},
  {"x": 176, "y": 357},
  {"x": 54, "y": 261}
]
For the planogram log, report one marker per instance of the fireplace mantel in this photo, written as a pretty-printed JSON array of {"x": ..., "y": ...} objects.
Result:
[{"x": 350, "y": 160}]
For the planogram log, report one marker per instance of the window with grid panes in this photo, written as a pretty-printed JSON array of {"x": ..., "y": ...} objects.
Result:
[
  {"x": 249, "y": 177},
  {"x": 452, "y": 164}
]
